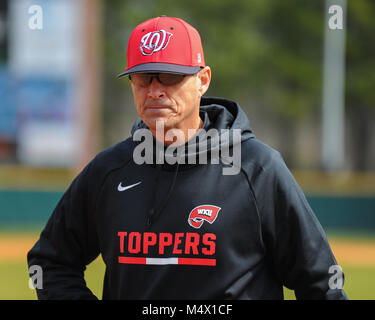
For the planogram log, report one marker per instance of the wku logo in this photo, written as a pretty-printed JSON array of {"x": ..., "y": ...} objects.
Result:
[
  {"x": 203, "y": 213},
  {"x": 154, "y": 41}
]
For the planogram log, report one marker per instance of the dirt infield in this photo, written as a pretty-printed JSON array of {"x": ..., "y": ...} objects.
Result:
[
  {"x": 14, "y": 247},
  {"x": 354, "y": 253}
]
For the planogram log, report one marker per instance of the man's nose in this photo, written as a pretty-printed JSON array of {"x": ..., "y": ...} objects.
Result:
[{"x": 155, "y": 89}]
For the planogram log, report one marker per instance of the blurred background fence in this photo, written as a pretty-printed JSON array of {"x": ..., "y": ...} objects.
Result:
[{"x": 306, "y": 94}]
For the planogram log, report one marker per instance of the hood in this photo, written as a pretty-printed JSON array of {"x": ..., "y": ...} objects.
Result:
[
  {"x": 230, "y": 125},
  {"x": 225, "y": 114},
  {"x": 225, "y": 127}
]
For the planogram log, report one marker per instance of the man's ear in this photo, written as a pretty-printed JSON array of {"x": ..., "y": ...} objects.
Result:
[{"x": 205, "y": 78}]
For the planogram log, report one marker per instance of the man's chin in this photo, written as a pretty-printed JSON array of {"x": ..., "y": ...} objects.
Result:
[{"x": 159, "y": 122}]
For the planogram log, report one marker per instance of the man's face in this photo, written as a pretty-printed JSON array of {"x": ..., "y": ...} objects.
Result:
[{"x": 176, "y": 105}]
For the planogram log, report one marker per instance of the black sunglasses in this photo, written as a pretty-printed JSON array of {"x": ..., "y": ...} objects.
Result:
[{"x": 145, "y": 79}]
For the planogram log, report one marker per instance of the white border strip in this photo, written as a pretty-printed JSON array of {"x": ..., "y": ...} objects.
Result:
[{"x": 161, "y": 261}]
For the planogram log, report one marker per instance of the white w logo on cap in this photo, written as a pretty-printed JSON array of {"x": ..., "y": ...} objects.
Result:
[{"x": 154, "y": 41}]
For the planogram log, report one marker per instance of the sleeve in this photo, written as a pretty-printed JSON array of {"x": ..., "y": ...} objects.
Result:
[
  {"x": 67, "y": 244},
  {"x": 295, "y": 241}
]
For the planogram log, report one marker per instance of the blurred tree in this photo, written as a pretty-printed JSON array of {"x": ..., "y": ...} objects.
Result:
[
  {"x": 360, "y": 79},
  {"x": 262, "y": 52},
  {"x": 3, "y": 31}
]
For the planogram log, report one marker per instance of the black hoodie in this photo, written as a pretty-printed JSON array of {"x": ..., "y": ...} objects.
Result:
[{"x": 186, "y": 230}]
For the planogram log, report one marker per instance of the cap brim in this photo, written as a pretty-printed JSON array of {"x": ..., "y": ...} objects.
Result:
[{"x": 161, "y": 67}]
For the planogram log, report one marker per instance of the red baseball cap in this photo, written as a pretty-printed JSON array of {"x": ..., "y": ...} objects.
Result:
[{"x": 164, "y": 44}]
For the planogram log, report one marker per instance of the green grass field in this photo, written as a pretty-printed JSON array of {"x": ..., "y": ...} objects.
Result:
[{"x": 359, "y": 281}]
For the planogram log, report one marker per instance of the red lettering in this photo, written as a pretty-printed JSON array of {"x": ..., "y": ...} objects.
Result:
[
  {"x": 209, "y": 240},
  {"x": 122, "y": 236},
  {"x": 192, "y": 242},
  {"x": 182, "y": 243},
  {"x": 134, "y": 245},
  {"x": 165, "y": 240},
  {"x": 149, "y": 239},
  {"x": 177, "y": 241}
]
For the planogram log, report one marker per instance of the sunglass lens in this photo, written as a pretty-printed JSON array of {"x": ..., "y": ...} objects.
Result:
[
  {"x": 167, "y": 79},
  {"x": 170, "y": 79},
  {"x": 141, "y": 79}
]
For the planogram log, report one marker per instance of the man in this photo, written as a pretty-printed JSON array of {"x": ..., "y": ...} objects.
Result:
[{"x": 173, "y": 220}]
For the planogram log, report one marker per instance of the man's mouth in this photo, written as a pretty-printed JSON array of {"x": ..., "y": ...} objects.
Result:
[
  {"x": 156, "y": 107},
  {"x": 156, "y": 104}
]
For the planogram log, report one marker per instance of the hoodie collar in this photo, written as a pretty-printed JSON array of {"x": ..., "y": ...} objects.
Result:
[{"x": 217, "y": 113}]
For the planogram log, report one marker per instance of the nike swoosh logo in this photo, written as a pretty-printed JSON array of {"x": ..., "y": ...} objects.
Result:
[{"x": 121, "y": 188}]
